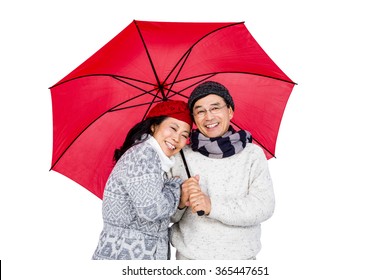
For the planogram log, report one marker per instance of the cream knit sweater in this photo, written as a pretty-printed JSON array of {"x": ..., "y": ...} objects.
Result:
[{"x": 242, "y": 197}]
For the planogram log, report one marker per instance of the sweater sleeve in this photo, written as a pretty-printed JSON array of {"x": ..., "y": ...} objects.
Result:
[
  {"x": 177, "y": 216},
  {"x": 255, "y": 207},
  {"x": 153, "y": 198}
]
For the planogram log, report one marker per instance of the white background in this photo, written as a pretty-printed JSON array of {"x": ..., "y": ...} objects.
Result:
[{"x": 331, "y": 173}]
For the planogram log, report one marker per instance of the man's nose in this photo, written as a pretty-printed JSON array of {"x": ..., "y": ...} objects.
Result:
[{"x": 208, "y": 115}]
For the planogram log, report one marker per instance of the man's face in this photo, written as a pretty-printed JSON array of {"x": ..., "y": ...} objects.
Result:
[{"x": 212, "y": 116}]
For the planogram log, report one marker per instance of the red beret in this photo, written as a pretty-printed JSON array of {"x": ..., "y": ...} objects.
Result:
[{"x": 172, "y": 108}]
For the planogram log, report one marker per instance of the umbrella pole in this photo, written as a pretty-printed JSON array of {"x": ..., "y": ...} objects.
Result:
[
  {"x": 185, "y": 163},
  {"x": 201, "y": 212}
]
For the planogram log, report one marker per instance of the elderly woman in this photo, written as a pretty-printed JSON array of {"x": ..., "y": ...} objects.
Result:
[{"x": 139, "y": 198}]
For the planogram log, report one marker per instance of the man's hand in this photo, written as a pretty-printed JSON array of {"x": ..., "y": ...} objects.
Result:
[
  {"x": 192, "y": 196},
  {"x": 199, "y": 201}
]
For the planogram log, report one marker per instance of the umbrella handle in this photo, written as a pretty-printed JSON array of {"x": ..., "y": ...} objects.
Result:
[{"x": 200, "y": 212}]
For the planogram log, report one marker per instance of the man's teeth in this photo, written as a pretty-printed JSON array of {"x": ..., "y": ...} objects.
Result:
[
  {"x": 170, "y": 146},
  {"x": 212, "y": 125}
]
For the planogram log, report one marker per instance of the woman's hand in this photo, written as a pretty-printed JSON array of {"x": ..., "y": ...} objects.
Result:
[{"x": 189, "y": 184}]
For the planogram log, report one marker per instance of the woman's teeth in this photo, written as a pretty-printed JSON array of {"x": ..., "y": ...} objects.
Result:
[{"x": 170, "y": 146}]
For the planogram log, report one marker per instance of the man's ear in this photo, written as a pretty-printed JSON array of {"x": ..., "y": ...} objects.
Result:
[{"x": 231, "y": 113}]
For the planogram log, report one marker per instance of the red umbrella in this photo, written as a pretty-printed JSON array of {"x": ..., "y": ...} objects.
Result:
[{"x": 95, "y": 105}]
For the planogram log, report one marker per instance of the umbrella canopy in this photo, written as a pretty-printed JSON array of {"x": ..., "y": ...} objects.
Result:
[{"x": 95, "y": 105}]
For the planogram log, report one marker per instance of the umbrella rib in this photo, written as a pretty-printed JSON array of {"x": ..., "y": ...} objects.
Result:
[
  {"x": 120, "y": 79},
  {"x": 187, "y": 53},
  {"x": 113, "y": 109},
  {"x": 134, "y": 86},
  {"x": 216, "y": 30},
  {"x": 129, "y": 107},
  {"x": 160, "y": 87},
  {"x": 137, "y": 105},
  {"x": 103, "y": 75},
  {"x": 236, "y": 72},
  {"x": 208, "y": 76},
  {"x": 74, "y": 140},
  {"x": 185, "y": 56}
]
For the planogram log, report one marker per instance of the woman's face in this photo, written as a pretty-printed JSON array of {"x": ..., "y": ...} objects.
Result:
[{"x": 172, "y": 135}]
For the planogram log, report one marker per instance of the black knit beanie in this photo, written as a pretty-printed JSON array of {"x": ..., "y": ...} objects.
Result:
[{"x": 207, "y": 88}]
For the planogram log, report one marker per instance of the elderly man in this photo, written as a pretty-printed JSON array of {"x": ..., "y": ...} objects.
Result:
[{"x": 230, "y": 182}]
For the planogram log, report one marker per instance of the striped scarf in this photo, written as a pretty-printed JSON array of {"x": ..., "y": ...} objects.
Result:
[{"x": 229, "y": 144}]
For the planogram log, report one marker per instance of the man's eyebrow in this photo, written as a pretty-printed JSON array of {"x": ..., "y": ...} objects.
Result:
[{"x": 212, "y": 104}]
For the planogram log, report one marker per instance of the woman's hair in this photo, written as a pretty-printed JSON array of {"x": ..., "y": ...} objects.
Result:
[{"x": 136, "y": 133}]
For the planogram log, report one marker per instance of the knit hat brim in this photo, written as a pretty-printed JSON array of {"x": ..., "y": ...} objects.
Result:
[{"x": 207, "y": 88}]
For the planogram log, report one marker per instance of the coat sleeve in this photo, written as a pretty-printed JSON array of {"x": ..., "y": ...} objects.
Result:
[
  {"x": 256, "y": 207},
  {"x": 153, "y": 197},
  {"x": 179, "y": 171}
]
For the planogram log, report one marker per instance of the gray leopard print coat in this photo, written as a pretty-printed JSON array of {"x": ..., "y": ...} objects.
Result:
[{"x": 138, "y": 202}]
